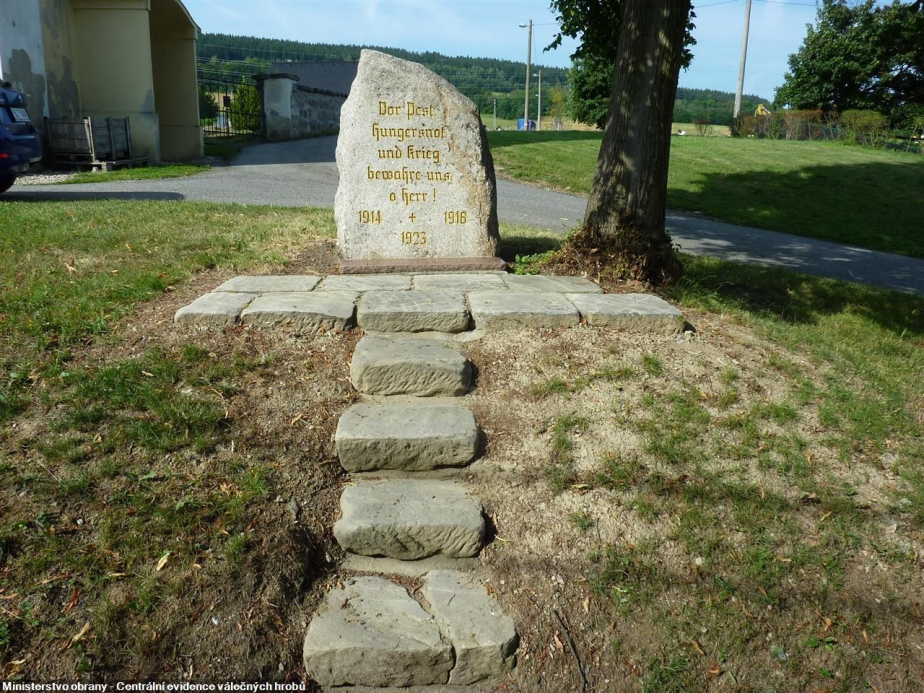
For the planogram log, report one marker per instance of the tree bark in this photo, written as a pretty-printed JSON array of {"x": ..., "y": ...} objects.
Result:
[{"x": 625, "y": 213}]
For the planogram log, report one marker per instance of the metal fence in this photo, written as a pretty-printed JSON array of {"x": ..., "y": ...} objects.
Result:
[{"x": 230, "y": 107}]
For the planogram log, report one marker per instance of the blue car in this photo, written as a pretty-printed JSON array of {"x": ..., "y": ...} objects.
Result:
[{"x": 20, "y": 143}]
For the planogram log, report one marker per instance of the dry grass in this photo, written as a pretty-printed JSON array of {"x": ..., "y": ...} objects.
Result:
[{"x": 686, "y": 509}]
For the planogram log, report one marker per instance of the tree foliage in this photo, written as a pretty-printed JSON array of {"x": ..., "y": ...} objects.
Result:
[
  {"x": 598, "y": 23},
  {"x": 557, "y": 103},
  {"x": 208, "y": 105},
  {"x": 861, "y": 56},
  {"x": 715, "y": 107},
  {"x": 245, "y": 109},
  {"x": 589, "y": 97}
]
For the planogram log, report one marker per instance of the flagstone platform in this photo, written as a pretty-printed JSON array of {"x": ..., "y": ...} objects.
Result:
[
  {"x": 405, "y": 303},
  {"x": 395, "y": 518}
]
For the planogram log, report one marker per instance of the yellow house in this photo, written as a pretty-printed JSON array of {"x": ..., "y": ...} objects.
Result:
[{"x": 134, "y": 58}]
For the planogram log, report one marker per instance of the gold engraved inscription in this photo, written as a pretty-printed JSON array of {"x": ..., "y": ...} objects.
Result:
[
  {"x": 455, "y": 217},
  {"x": 370, "y": 216},
  {"x": 407, "y": 197},
  {"x": 401, "y": 134},
  {"x": 413, "y": 238}
]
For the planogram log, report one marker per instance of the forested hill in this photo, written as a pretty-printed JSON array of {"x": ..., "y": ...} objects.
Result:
[
  {"x": 481, "y": 79},
  {"x": 713, "y": 106},
  {"x": 484, "y": 80}
]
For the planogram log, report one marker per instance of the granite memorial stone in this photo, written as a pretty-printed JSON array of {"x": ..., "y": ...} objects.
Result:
[{"x": 416, "y": 175}]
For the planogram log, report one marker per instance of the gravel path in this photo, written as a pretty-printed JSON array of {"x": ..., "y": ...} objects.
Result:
[{"x": 305, "y": 173}]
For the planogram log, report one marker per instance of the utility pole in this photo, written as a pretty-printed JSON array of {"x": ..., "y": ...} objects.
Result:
[
  {"x": 744, "y": 58},
  {"x": 495, "y": 114},
  {"x": 529, "y": 59},
  {"x": 539, "y": 112}
]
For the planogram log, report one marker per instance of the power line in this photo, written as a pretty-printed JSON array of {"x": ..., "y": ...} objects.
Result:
[
  {"x": 713, "y": 4},
  {"x": 769, "y": 2},
  {"x": 787, "y": 2}
]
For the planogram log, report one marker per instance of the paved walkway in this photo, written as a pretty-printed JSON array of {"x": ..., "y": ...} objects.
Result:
[{"x": 305, "y": 173}]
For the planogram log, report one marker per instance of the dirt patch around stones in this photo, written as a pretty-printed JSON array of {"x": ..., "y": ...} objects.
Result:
[
  {"x": 666, "y": 515},
  {"x": 674, "y": 551},
  {"x": 203, "y": 562}
]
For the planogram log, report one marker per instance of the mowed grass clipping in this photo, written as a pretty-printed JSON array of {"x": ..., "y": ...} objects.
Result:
[{"x": 847, "y": 194}]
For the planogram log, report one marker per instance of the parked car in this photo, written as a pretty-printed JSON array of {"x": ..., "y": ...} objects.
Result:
[{"x": 20, "y": 143}]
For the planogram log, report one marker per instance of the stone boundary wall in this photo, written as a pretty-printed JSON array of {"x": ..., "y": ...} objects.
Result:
[{"x": 292, "y": 111}]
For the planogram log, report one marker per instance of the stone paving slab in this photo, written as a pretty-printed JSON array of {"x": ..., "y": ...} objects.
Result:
[
  {"x": 459, "y": 282},
  {"x": 270, "y": 283},
  {"x": 545, "y": 283},
  {"x": 413, "y": 311},
  {"x": 381, "y": 565},
  {"x": 642, "y": 313},
  {"x": 214, "y": 309},
  {"x": 504, "y": 309},
  {"x": 483, "y": 637},
  {"x": 410, "y": 437},
  {"x": 408, "y": 366},
  {"x": 409, "y": 519},
  {"x": 316, "y": 311},
  {"x": 366, "y": 282},
  {"x": 372, "y": 632}
]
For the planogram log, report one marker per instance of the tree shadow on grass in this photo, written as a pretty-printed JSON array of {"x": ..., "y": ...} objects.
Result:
[
  {"x": 62, "y": 194},
  {"x": 511, "y": 246},
  {"x": 875, "y": 205},
  {"x": 781, "y": 295}
]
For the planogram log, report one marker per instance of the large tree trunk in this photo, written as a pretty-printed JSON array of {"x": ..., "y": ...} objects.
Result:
[{"x": 624, "y": 219}]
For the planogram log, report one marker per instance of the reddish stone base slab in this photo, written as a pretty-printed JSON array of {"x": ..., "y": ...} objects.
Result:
[{"x": 423, "y": 265}]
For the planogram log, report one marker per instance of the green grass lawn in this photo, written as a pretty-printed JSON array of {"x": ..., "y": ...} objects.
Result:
[
  {"x": 138, "y": 173},
  {"x": 97, "y": 423},
  {"x": 847, "y": 194}
]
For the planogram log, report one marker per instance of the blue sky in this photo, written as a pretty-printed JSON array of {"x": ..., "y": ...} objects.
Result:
[{"x": 489, "y": 28}]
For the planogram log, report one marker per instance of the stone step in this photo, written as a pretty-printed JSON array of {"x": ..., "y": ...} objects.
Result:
[
  {"x": 483, "y": 638},
  {"x": 543, "y": 283},
  {"x": 409, "y": 519},
  {"x": 408, "y": 366},
  {"x": 380, "y": 565},
  {"x": 459, "y": 282},
  {"x": 317, "y": 311},
  {"x": 505, "y": 309},
  {"x": 639, "y": 313},
  {"x": 409, "y": 437},
  {"x": 371, "y": 632},
  {"x": 413, "y": 311},
  {"x": 214, "y": 309},
  {"x": 263, "y": 284}
]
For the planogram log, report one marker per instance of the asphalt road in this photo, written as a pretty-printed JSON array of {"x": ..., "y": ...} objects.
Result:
[{"x": 304, "y": 172}]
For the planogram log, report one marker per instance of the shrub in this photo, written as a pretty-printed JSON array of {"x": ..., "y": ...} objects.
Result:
[
  {"x": 868, "y": 125},
  {"x": 801, "y": 124},
  {"x": 208, "y": 105},
  {"x": 245, "y": 109},
  {"x": 702, "y": 126}
]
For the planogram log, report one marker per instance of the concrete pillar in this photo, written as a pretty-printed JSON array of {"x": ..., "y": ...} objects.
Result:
[
  {"x": 112, "y": 46},
  {"x": 176, "y": 90},
  {"x": 276, "y": 93}
]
